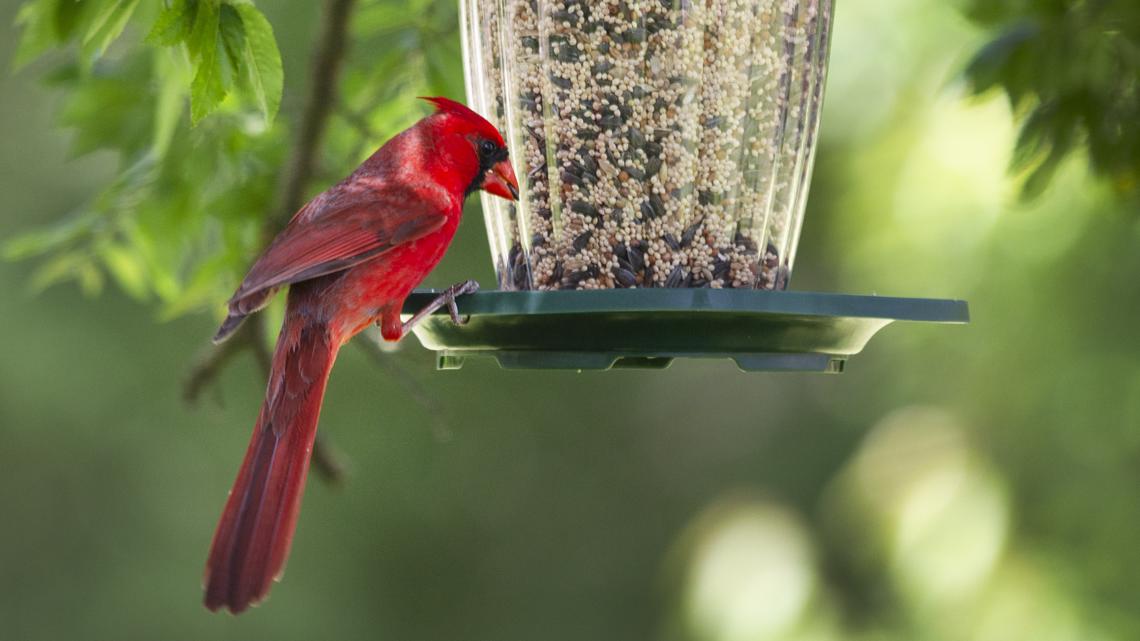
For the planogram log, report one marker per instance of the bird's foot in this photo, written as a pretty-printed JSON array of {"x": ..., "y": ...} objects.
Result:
[
  {"x": 446, "y": 297},
  {"x": 469, "y": 286}
]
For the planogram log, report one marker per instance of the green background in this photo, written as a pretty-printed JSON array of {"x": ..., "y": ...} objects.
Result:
[{"x": 976, "y": 482}]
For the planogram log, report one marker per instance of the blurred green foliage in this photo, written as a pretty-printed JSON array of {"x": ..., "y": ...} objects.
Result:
[
  {"x": 956, "y": 484},
  {"x": 1071, "y": 68},
  {"x": 188, "y": 207}
]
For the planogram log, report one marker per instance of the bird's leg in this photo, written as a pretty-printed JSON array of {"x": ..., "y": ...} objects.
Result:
[{"x": 446, "y": 297}]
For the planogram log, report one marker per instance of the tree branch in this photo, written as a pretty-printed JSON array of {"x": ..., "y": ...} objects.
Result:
[
  {"x": 318, "y": 107},
  {"x": 211, "y": 362}
]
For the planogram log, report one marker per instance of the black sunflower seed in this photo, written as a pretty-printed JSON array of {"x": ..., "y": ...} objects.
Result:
[
  {"x": 521, "y": 276},
  {"x": 744, "y": 241},
  {"x": 582, "y": 240},
  {"x": 584, "y": 208},
  {"x": 588, "y": 162},
  {"x": 652, "y": 167},
  {"x": 610, "y": 122},
  {"x": 625, "y": 277},
  {"x": 576, "y": 278},
  {"x": 720, "y": 269},
  {"x": 636, "y": 138},
  {"x": 565, "y": 17},
  {"x": 676, "y": 277},
  {"x": 690, "y": 233},
  {"x": 568, "y": 53},
  {"x": 570, "y": 177},
  {"x": 671, "y": 241},
  {"x": 621, "y": 251},
  {"x": 636, "y": 258}
]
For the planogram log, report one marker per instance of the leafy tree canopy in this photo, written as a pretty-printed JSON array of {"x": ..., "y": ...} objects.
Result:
[
  {"x": 186, "y": 96},
  {"x": 1071, "y": 69}
]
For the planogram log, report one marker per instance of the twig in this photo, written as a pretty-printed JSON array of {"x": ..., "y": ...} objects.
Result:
[
  {"x": 325, "y": 71},
  {"x": 210, "y": 363},
  {"x": 357, "y": 121}
]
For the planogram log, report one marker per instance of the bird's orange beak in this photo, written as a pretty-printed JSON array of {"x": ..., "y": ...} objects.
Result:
[{"x": 500, "y": 180}]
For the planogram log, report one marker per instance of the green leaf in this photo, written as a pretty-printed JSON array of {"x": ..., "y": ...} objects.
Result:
[
  {"x": 37, "y": 20},
  {"x": 175, "y": 24},
  {"x": 232, "y": 31},
  {"x": 127, "y": 269},
  {"x": 203, "y": 34},
  {"x": 49, "y": 239},
  {"x": 110, "y": 109},
  {"x": 68, "y": 15},
  {"x": 71, "y": 265},
  {"x": 262, "y": 60},
  {"x": 208, "y": 89},
  {"x": 107, "y": 26},
  {"x": 172, "y": 77}
]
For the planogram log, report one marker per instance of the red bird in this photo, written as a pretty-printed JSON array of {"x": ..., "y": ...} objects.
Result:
[{"x": 351, "y": 256}]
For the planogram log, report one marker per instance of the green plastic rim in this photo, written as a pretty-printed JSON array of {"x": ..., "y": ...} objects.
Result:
[{"x": 649, "y": 328}]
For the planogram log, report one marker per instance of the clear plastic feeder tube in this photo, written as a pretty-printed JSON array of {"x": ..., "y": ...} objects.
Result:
[{"x": 659, "y": 143}]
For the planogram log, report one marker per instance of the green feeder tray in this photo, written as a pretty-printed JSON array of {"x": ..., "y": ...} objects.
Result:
[{"x": 648, "y": 328}]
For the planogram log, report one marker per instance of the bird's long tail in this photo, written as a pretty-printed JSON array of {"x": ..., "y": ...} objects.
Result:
[{"x": 256, "y": 529}]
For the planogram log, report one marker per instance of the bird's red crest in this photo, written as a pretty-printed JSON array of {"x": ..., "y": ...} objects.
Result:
[{"x": 460, "y": 110}]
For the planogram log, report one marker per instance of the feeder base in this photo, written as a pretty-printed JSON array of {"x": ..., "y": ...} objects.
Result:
[{"x": 649, "y": 328}]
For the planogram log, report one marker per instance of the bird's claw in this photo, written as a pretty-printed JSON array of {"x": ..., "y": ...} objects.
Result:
[
  {"x": 446, "y": 297},
  {"x": 469, "y": 286}
]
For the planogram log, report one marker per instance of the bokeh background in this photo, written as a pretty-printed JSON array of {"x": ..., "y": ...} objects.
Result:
[{"x": 959, "y": 483}]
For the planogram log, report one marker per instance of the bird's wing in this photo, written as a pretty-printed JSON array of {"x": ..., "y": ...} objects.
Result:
[{"x": 335, "y": 232}]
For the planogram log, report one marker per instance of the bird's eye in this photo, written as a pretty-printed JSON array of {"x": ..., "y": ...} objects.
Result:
[{"x": 487, "y": 147}]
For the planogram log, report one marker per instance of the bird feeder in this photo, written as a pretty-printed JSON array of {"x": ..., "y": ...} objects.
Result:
[{"x": 664, "y": 150}]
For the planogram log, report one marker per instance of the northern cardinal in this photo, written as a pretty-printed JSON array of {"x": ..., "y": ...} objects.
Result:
[{"x": 350, "y": 257}]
